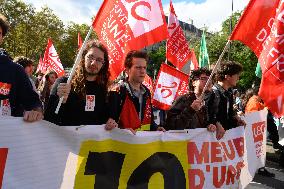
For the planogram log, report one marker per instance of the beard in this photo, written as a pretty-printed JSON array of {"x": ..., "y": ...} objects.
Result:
[{"x": 91, "y": 73}]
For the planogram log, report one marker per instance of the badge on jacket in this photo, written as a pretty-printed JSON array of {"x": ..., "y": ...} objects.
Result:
[
  {"x": 5, "y": 108},
  {"x": 90, "y": 103}
]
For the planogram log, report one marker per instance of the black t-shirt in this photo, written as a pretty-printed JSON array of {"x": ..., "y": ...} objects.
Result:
[{"x": 73, "y": 111}]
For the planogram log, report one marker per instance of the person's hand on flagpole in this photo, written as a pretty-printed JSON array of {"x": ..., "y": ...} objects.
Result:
[
  {"x": 197, "y": 104},
  {"x": 63, "y": 90}
]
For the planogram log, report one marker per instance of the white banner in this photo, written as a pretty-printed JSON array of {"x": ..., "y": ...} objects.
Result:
[{"x": 46, "y": 156}]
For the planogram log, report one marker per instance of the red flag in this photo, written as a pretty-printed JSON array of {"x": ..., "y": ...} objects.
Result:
[
  {"x": 194, "y": 63},
  {"x": 178, "y": 52},
  {"x": 148, "y": 83},
  {"x": 265, "y": 38},
  {"x": 128, "y": 25},
  {"x": 39, "y": 66},
  {"x": 170, "y": 84},
  {"x": 42, "y": 66},
  {"x": 51, "y": 59},
  {"x": 80, "y": 43}
]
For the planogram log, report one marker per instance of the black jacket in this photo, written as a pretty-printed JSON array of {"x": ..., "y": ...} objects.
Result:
[
  {"x": 223, "y": 110},
  {"x": 21, "y": 96},
  {"x": 117, "y": 98},
  {"x": 73, "y": 111},
  {"x": 182, "y": 116}
]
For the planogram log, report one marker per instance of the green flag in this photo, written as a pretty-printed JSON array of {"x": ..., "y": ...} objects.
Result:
[
  {"x": 258, "y": 71},
  {"x": 203, "y": 54}
]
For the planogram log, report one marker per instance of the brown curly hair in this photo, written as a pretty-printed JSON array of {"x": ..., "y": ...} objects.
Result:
[{"x": 79, "y": 79}]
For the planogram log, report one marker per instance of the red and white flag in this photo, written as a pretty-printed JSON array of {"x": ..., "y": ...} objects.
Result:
[
  {"x": 170, "y": 84},
  {"x": 129, "y": 25},
  {"x": 80, "y": 43},
  {"x": 41, "y": 67},
  {"x": 51, "y": 59},
  {"x": 194, "y": 63},
  {"x": 265, "y": 38},
  {"x": 148, "y": 82},
  {"x": 178, "y": 51}
]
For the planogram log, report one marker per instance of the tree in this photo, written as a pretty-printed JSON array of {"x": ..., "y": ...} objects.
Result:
[
  {"x": 19, "y": 16},
  {"x": 68, "y": 47},
  {"x": 237, "y": 52}
]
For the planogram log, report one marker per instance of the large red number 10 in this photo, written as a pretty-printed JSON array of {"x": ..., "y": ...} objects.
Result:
[
  {"x": 107, "y": 167},
  {"x": 3, "y": 157}
]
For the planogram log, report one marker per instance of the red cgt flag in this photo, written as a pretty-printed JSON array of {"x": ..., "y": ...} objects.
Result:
[
  {"x": 194, "y": 63},
  {"x": 178, "y": 51},
  {"x": 51, "y": 59},
  {"x": 170, "y": 84},
  {"x": 41, "y": 67},
  {"x": 265, "y": 38},
  {"x": 80, "y": 43},
  {"x": 129, "y": 25}
]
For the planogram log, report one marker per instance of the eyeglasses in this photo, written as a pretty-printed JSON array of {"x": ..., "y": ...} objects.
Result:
[
  {"x": 204, "y": 78},
  {"x": 98, "y": 60},
  {"x": 201, "y": 78}
]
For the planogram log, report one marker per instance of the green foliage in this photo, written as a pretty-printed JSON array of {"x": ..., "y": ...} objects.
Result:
[
  {"x": 157, "y": 57},
  {"x": 30, "y": 31},
  {"x": 237, "y": 52}
]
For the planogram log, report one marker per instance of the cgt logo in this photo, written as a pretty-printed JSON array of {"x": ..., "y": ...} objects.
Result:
[
  {"x": 258, "y": 130},
  {"x": 144, "y": 16},
  {"x": 167, "y": 88}
]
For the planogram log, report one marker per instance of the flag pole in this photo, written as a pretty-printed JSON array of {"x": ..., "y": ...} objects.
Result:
[
  {"x": 215, "y": 68},
  {"x": 77, "y": 61},
  {"x": 231, "y": 28}
]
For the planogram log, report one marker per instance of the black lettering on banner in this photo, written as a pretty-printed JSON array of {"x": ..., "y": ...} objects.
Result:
[
  {"x": 107, "y": 167},
  {"x": 165, "y": 163}
]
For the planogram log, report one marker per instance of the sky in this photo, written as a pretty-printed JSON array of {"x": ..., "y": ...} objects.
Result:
[{"x": 209, "y": 13}]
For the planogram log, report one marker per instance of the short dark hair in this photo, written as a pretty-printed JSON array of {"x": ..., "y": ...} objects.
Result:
[
  {"x": 24, "y": 61},
  {"x": 4, "y": 24},
  {"x": 228, "y": 68},
  {"x": 195, "y": 74},
  {"x": 134, "y": 54}
]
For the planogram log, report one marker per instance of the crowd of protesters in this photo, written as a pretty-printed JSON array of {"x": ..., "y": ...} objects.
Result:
[{"x": 92, "y": 99}]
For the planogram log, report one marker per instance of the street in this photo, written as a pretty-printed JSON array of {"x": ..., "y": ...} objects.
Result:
[{"x": 272, "y": 166}]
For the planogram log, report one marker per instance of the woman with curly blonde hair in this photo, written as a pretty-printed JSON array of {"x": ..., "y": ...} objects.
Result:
[{"x": 85, "y": 99}]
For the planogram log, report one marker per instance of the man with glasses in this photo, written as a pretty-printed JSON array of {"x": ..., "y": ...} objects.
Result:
[
  {"x": 189, "y": 111},
  {"x": 130, "y": 102},
  {"x": 85, "y": 99}
]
